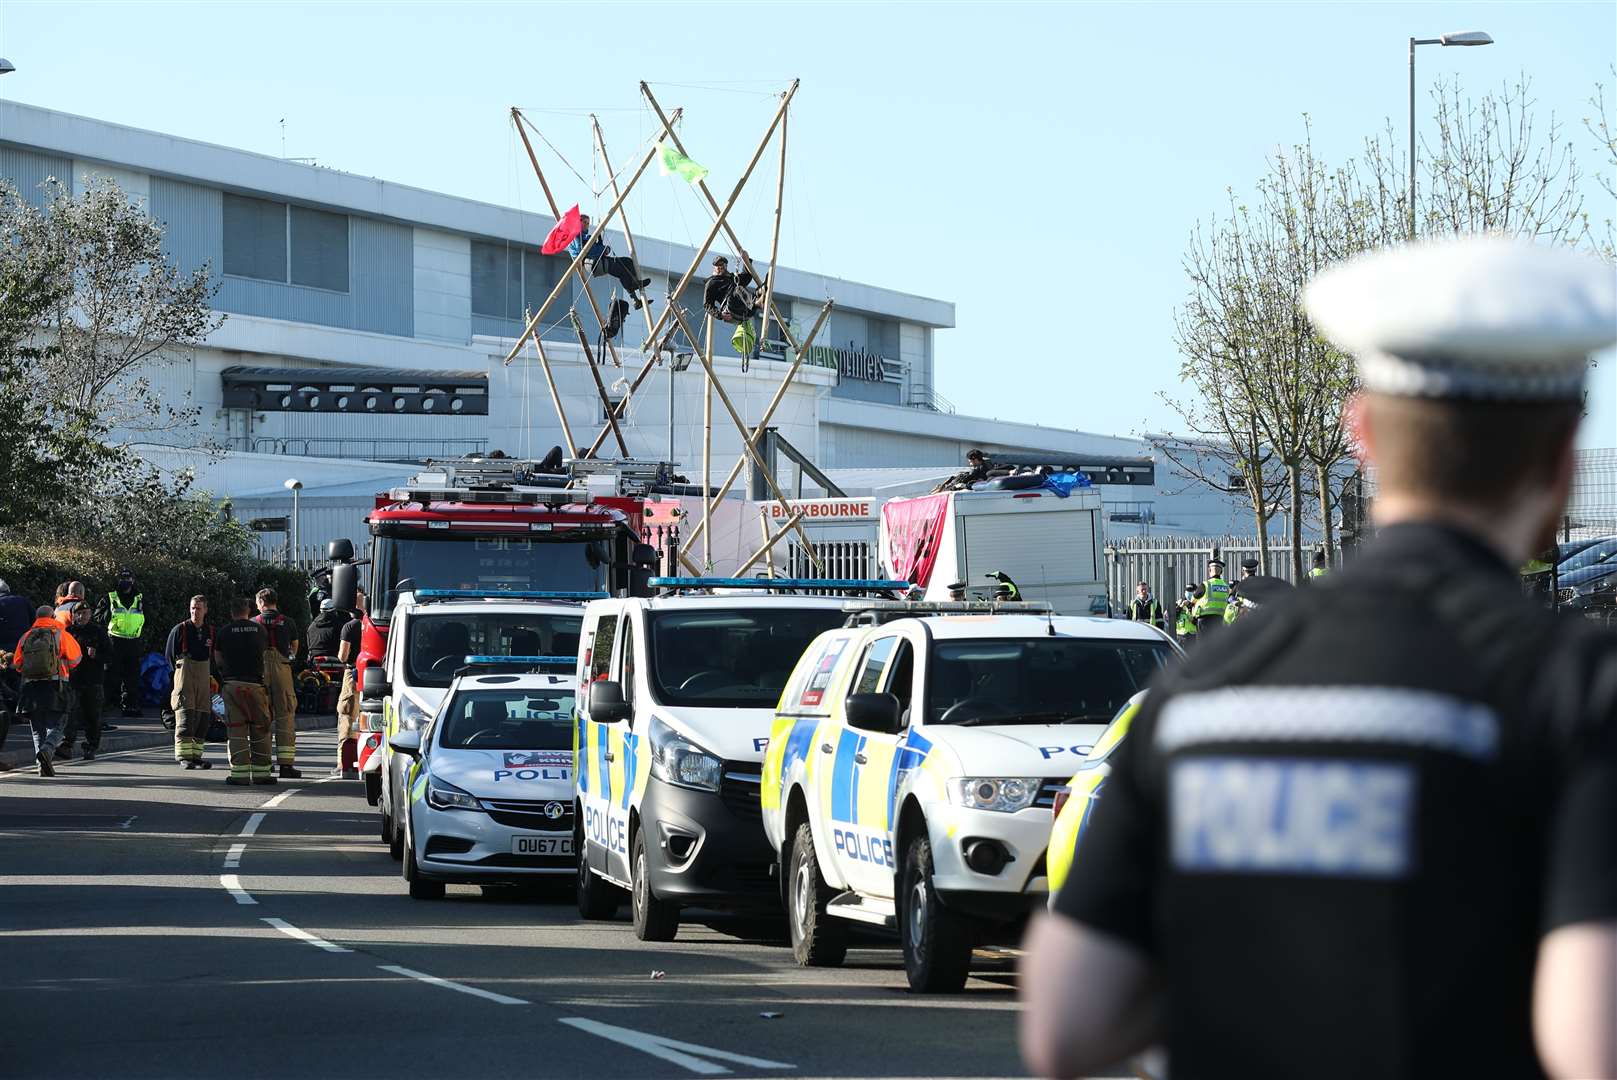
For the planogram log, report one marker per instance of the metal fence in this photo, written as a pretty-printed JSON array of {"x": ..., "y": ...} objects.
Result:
[
  {"x": 1169, "y": 563},
  {"x": 839, "y": 558},
  {"x": 1592, "y": 507},
  {"x": 272, "y": 547}
]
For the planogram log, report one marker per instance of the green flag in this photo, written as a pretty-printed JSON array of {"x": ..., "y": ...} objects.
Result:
[{"x": 671, "y": 162}]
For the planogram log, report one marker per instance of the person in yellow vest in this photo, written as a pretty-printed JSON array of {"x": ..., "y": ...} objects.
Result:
[
  {"x": 1233, "y": 609},
  {"x": 1184, "y": 622},
  {"x": 283, "y": 696},
  {"x": 1319, "y": 569},
  {"x": 1213, "y": 599},
  {"x": 124, "y": 614}
]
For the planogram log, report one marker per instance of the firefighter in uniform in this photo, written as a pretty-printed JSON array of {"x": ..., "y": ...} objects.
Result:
[
  {"x": 1375, "y": 832},
  {"x": 1212, "y": 599},
  {"x": 239, "y": 648},
  {"x": 283, "y": 695},
  {"x": 190, "y": 650}
]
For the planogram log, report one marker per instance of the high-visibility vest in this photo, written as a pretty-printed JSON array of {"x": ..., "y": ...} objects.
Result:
[
  {"x": 1215, "y": 598},
  {"x": 1232, "y": 611},
  {"x": 125, "y": 622},
  {"x": 1318, "y": 571},
  {"x": 1185, "y": 624}
]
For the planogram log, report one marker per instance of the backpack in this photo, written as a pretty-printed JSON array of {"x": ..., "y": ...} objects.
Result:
[{"x": 41, "y": 654}]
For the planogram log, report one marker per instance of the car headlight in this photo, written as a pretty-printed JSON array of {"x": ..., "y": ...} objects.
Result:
[
  {"x": 1006, "y": 793},
  {"x": 677, "y": 760},
  {"x": 442, "y": 795},
  {"x": 412, "y": 716}
]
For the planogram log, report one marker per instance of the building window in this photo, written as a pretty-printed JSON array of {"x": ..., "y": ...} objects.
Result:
[
  {"x": 271, "y": 241},
  {"x": 255, "y": 238},
  {"x": 319, "y": 245},
  {"x": 507, "y": 279},
  {"x": 614, "y": 400}
]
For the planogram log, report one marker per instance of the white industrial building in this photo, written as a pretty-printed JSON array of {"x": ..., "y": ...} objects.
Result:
[{"x": 366, "y": 325}]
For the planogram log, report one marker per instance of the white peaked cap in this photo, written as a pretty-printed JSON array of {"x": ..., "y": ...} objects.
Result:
[{"x": 1481, "y": 318}]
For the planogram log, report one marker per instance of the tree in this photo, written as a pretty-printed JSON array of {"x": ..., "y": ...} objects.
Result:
[
  {"x": 119, "y": 308},
  {"x": 1603, "y": 127}
]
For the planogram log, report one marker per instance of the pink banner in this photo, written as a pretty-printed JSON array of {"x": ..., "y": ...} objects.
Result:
[{"x": 914, "y": 530}]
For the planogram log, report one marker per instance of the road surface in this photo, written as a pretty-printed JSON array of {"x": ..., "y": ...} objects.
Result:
[{"x": 156, "y": 922}]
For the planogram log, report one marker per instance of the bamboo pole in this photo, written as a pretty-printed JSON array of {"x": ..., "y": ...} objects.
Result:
[
  {"x": 769, "y": 545},
  {"x": 769, "y": 412},
  {"x": 555, "y": 212},
  {"x": 735, "y": 242},
  {"x": 722, "y": 214},
  {"x": 600, "y": 387},
  {"x": 623, "y": 214},
  {"x": 555, "y": 397},
  {"x": 769, "y": 554},
  {"x": 774, "y": 244},
  {"x": 707, "y": 444},
  {"x": 622, "y": 407},
  {"x": 746, "y": 443},
  {"x": 595, "y": 235}
]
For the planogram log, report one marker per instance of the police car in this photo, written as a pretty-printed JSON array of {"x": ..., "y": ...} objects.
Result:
[
  {"x": 913, "y": 764},
  {"x": 671, "y": 736},
  {"x": 490, "y": 781},
  {"x": 1076, "y": 803},
  {"x": 432, "y": 633}
]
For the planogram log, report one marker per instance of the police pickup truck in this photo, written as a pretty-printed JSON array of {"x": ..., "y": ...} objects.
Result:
[{"x": 913, "y": 764}]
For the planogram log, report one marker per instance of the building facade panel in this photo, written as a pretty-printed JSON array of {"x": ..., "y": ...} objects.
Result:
[
  {"x": 192, "y": 217},
  {"x": 383, "y": 278},
  {"x": 28, "y": 171},
  {"x": 136, "y": 185}
]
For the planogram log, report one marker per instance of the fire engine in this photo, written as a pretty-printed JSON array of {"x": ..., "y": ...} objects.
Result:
[{"x": 493, "y": 525}]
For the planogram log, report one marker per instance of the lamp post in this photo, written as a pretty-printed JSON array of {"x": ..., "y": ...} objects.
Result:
[
  {"x": 294, "y": 486},
  {"x": 1469, "y": 37}
]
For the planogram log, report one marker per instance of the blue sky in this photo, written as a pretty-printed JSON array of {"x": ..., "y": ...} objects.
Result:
[{"x": 1041, "y": 165}]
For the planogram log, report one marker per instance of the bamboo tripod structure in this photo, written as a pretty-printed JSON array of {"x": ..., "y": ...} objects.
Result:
[{"x": 653, "y": 348}]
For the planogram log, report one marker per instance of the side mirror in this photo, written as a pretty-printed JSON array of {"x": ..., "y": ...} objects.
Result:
[
  {"x": 375, "y": 685},
  {"x": 873, "y": 712},
  {"x": 407, "y": 742},
  {"x": 345, "y": 586},
  {"x": 606, "y": 703},
  {"x": 644, "y": 557},
  {"x": 340, "y": 551}
]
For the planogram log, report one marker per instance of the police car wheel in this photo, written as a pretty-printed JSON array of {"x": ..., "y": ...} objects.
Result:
[
  {"x": 654, "y": 919},
  {"x": 597, "y": 898},
  {"x": 818, "y": 939},
  {"x": 395, "y": 840},
  {"x": 937, "y": 942},
  {"x": 387, "y": 827},
  {"x": 421, "y": 888},
  {"x": 373, "y": 788}
]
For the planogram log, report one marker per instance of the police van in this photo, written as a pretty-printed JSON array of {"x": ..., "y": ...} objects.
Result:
[
  {"x": 670, "y": 737},
  {"x": 433, "y": 633},
  {"x": 913, "y": 765},
  {"x": 487, "y": 794}
]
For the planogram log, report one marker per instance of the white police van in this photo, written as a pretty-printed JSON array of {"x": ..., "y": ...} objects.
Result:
[
  {"x": 682, "y": 689},
  {"x": 432, "y": 633},
  {"x": 487, "y": 796},
  {"x": 913, "y": 764}
]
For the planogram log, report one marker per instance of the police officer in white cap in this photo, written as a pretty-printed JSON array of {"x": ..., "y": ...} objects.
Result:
[{"x": 1375, "y": 832}]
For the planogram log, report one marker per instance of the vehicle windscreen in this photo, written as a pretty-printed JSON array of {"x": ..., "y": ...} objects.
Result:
[
  {"x": 440, "y": 643},
  {"x": 1042, "y": 680},
  {"x": 486, "y": 563},
  {"x": 515, "y": 719},
  {"x": 1599, "y": 552},
  {"x": 737, "y": 659}
]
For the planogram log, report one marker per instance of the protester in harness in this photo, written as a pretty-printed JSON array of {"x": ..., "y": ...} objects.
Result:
[
  {"x": 603, "y": 263},
  {"x": 729, "y": 297}
]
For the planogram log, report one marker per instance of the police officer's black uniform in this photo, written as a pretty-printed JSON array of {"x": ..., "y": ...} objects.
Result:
[{"x": 1414, "y": 779}]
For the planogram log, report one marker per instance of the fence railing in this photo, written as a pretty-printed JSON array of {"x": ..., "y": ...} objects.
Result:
[
  {"x": 364, "y": 449},
  {"x": 1168, "y": 564},
  {"x": 840, "y": 559},
  {"x": 305, "y": 557}
]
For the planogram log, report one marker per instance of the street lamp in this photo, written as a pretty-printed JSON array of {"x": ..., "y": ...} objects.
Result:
[
  {"x": 294, "y": 486},
  {"x": 1468, "y": 37}
]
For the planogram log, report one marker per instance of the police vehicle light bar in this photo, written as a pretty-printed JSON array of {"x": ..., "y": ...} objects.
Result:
[
  {"x": 876, "y": 612},
  {"x": 501, "y": 594},
  {"x": 520, "y": 661},
  {"x": 826, "y": 584}
]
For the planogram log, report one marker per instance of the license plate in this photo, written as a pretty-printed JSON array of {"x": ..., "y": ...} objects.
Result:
[{"x": 541, "y": 845}]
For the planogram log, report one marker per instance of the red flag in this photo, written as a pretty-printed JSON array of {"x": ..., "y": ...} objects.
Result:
[{"x": 568, "y": 229}]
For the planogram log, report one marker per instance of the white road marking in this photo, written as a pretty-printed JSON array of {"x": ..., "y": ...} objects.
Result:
[
  {"x": 686, "y": 1055},
  {"x": 252, "y": 824},
  {"x": 232, "y": 885},
  {"x": 303, "y": 935},
  {"x": 287, "y": 794},
  {"x": 433, "y": 980},
  {"x": 233, "y": 857}
]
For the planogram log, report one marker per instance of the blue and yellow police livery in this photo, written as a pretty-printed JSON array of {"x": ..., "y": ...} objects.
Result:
[{"x": 913, "y": 765}]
